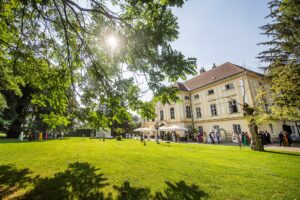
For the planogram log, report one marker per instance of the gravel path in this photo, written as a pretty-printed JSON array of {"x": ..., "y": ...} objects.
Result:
[{"x": 291, "y": 149}]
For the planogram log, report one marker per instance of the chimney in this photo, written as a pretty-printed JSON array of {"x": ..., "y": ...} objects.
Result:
[
  {"x": 214, "y": 65},
  {"x": 202, "y": 70}
]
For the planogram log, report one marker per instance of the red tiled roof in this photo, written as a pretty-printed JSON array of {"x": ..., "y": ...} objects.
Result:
[
  {"x": 180, "y": 86},
  {"x": 216, "y": 74}
]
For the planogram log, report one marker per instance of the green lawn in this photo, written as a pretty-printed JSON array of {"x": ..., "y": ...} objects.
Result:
[{"x": 91, "y": 169}]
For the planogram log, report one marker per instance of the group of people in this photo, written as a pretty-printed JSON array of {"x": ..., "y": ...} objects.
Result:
[
  {"x": 214, "y": 137},
  {"x": 242, "y": 138},
  {"x": 265, "y": 137},
  {"x": 44, "y": 135},
  {"x": 284, "y": 139}
]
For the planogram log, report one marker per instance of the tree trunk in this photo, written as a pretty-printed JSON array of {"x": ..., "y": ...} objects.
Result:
[
  {"x": 15, "y": 129},
  {"x": 17, "y": 110},
  {"x": 258, "y": 146}
]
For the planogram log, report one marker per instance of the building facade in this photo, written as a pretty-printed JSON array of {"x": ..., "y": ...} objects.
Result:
[{"x": 213, "y": 100}]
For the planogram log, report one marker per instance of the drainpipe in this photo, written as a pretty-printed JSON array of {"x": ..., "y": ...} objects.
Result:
[{"x": 192, "y": 112}]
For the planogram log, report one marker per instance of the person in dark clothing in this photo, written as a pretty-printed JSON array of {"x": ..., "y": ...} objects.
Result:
[
  {"x": 263, "y": 138},
  {"x": 280, "y": 137},
  {"x": 289, "y": 137},
  {"x": 211, "y": 138},
  {"x": 268, "y": 138},
  {"x": 218, "y": 135}
]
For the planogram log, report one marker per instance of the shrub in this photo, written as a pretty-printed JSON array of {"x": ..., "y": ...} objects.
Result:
[{"x": 119, "y": 138}]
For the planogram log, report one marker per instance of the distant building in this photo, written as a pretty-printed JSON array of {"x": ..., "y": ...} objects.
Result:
[
  {"x": 100, "y": 133},
  {"x": 213, "y": 99}
]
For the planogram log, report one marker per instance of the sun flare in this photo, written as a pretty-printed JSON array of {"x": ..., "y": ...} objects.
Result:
[{"x": 112, "y": 42}]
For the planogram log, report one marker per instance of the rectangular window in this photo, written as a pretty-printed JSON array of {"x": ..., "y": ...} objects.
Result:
[
  {"x": 172, "y": 113},
  {"x": 188, "y": 112},
  {"x": 196, "y": 96},
  {"x": 198, "y": 112},
  {"x": 233, "y": 106},
  {"x": 210, "y": 92},
  {"x": 161, "y": 115},
  {"x": 213, "y": 110},
  {"x": 237, "y": 128},
  {"x": 153, "y": 119},
  {"x": 229, "y": 86},
  {"x": 187, "y": 98}
]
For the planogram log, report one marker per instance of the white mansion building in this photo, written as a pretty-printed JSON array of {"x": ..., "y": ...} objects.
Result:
[{"x": 212, "y": 99}]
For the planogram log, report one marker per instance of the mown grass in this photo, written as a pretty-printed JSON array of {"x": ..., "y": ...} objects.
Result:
[{"x": 127, "y": 169}]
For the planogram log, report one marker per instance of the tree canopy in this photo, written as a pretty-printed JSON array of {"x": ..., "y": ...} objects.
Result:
[
  {"x": 283, "y": 59},
  {"x": 56, "y": 62}
]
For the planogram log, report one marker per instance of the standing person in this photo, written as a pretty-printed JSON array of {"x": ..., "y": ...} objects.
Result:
[
  {"x": 239, "y": 139},
  {"x": 285, "y": 139},
  {"x": 46, "y": 135},
  {"x": 21, "y": 136},
  {"x": 30, "y": 136},
  {"x": 243, "y": 138},
  {"x": 263, "y": 138},
  {"x": 40, "y": 136},
  {"x": 218, "y": 135},
  {"x": 233, "y": 137},
  {"x": 204, "y": 137},
  {"x": 199, "y": 138},
  {"x": 211, "y": 137},
  {"x": 248, "y": 138},
  {"x": 289, "y": 137},
  {"x": 280, "y": 138},
  {"x": 269, "y": 137}
]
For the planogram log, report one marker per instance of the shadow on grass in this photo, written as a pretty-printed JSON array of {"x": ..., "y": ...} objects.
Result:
[
  {"x": 14, "y": 140},
  {"x": 12, "y": 180},
  {"x": 283, "y": 153},
  {"x": 174, "y": 191},
  {"x": 81, "y": 181}
]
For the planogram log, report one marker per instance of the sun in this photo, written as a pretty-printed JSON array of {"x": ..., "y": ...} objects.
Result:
[{"x": 112, "y": 41}]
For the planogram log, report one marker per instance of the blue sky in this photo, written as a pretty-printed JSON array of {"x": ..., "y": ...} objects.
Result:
[{"x": 216, "y": 31}]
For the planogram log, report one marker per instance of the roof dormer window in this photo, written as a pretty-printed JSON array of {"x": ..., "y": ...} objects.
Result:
[{"x": 210, "y": 92}]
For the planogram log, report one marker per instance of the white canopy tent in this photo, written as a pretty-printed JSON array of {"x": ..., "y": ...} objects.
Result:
[
  {"x": 177, "y": 128},
  {"x": 164, "y": 128},
  {"x": 144, "y": 129}
]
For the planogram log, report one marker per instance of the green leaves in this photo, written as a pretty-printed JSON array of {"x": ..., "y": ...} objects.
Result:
[
  {"x": 58, "y": 50},
  {"x": 53, "y": 120},
  {"x": 147, "y": 110},
  {"x": 284, "y": 60}
]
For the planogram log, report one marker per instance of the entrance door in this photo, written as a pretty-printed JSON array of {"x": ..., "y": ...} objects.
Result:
[{"x": 287, "y": 128}]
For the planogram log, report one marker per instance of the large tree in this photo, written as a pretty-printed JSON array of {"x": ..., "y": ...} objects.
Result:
[
  {"x": 283, "y": 59},
  {"x": 58, "y": 48},
  {"x": 279, "y": 95}
]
